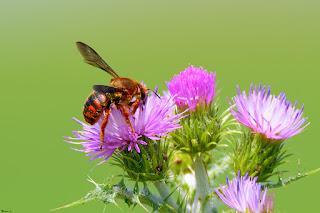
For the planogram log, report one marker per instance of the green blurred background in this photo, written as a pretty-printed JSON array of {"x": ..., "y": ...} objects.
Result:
[{"x": 44, "y": 82}]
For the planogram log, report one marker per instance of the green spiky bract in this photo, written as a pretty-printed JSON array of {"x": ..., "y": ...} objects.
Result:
[
  {"x": 201, "y": 132},
  {"x": 258, "y": 156},
  {"x": 151, "y": 164}
]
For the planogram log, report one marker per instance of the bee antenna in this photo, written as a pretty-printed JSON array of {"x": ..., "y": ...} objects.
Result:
[{"x": 154, "y": 93}]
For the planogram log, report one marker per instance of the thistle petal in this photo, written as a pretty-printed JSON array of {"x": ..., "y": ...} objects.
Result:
[
  {"x": 267, "y": 114},
  {"x": 244, "y": 194},
  {"x": 193, "y": 87}
]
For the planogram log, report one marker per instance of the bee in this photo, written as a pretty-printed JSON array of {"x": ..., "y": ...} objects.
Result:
[{"x": 119, "y": 93}]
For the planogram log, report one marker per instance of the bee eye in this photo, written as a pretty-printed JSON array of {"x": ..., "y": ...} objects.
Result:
[
  {"x": 143, "y": 95},
  {"x": 142, "y": 92}
]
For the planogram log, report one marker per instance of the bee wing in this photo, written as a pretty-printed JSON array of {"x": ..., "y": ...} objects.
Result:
[
  {"x": 91, "y": 57},
  {"x": 106, "y": 89}
]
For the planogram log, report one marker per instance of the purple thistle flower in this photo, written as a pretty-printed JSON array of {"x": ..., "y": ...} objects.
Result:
[
  {"x": 244, "y": 195},
  {"x": 153, "y": 120},
  {"x": 193, "y": 87},
  {"x": 267, "y": 114}
]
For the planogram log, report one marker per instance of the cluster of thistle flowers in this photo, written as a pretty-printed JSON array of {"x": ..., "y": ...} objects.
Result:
[{"x": 188, "y": 102}]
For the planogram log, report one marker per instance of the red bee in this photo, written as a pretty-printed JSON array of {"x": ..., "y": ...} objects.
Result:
[{"x": 119, "y": 94}]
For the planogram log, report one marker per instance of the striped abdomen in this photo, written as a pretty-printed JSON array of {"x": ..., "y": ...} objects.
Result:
[{"x": 94, "y": 106}]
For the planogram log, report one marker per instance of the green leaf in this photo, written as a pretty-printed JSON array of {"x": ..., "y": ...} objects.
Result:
[
  {"x": 108, "y": 193},
  {"x": 284, "y": 182}
]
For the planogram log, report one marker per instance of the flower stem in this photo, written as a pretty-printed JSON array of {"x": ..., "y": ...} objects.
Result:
[
  {"x": 165, "y": 193},
  {"x": 202, "y": 185}
]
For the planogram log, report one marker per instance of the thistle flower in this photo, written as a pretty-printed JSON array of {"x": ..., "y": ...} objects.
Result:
[
  {"x": 267, "y": 114},
  {"x": 245, "y": 195},
  {"x": 193, "y": 87},
  {"x": 153, "y": 120}
]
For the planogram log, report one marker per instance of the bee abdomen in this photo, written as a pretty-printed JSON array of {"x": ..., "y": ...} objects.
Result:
[{"x": 94, "y": 106}]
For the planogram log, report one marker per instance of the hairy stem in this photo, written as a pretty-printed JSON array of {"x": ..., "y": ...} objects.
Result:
[
  {"x": 165, "y": 193},
  {"x": 202, "y": 186}
]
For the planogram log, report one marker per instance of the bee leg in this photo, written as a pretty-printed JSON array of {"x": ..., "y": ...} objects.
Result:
[
  {"x": 126, "y": 114},
  {"x": 103, "y": 126},
  {"x": 135, "y": 106}
]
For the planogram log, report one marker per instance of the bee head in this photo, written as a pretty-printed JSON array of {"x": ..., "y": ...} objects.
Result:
[{"x": 143, "y": 93}]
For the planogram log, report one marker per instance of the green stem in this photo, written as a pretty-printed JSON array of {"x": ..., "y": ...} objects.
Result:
[
  {"x": 165, "y": 193},
  {"x": 202, "y": 186}
]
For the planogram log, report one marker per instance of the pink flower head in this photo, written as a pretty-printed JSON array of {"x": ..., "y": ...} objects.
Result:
[
  {"x": 154, "y": 119},
  {"x": 193, "y": 87},
  {"x": 244, "y": 195},
  {"x": 267, "y": 114}
]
